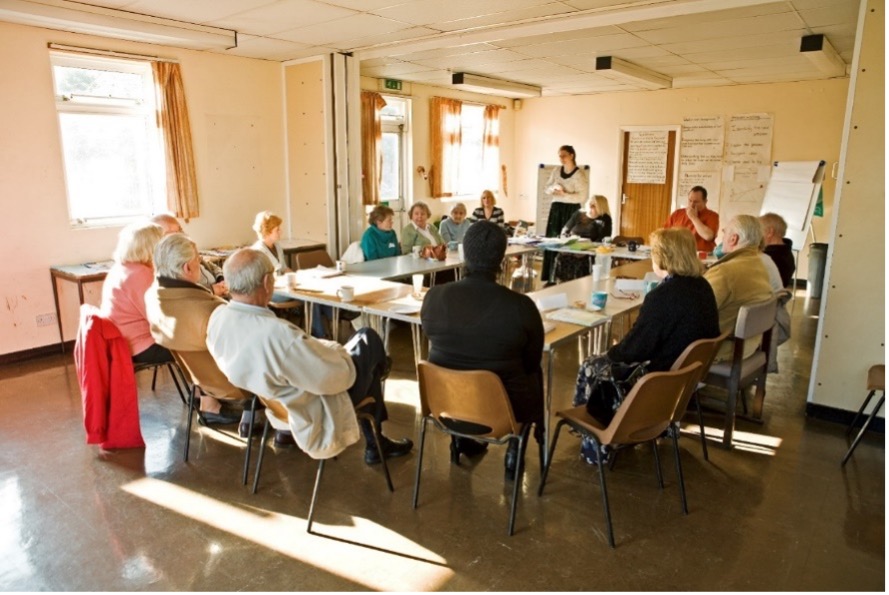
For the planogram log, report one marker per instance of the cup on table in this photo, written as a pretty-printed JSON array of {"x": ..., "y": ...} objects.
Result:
[
  {"x": 702, "y": 255},
  {"x": 290, "y": 279},
  {"x": 597, "y": 272},
  {"x": 418, "y": 283},
  {"x": 341, "y": 266},
  {"x": 632, "y": 246},
  {"x": 415, "y": 251},
  {"x": 598, "y": 300},
  {"x": 650, "y": 285},
  {"x": 346, "y": 293},
  {"x": 452, "y": 246},
  {"x": 460, "y": 250}
]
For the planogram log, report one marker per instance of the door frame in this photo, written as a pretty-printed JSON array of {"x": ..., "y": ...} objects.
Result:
[{"x": 620, "y": 165}]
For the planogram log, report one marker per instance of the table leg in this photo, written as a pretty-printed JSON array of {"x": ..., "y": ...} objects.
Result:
[
  {"x": 547, "y": 404},
  {"x": 55, "y": 295},
  {"x": 335, "y": 325},
  {"x": 307, "y": 311},
  {"x": 417, "y": 338}
]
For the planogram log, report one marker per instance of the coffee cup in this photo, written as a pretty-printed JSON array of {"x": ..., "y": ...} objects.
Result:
[
  {"x": 598, "y": 300},
  {"x": 702, "y": 255},
  {"x": 341, "y": 266},
  {"x": 346, "y": 293},
  {"x": 649, "y": 285},
  {"x": 415, "y": 251},
  {"x": 452, "y": 246},
  {"x": 418, "y": 283},
  {"x": 460, "y": 250},
  {"x": 632, "y": 246},
  {"x": 291, "y": 279}
]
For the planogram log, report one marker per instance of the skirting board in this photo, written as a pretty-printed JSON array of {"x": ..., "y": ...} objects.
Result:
[
  {"x": 35, "y": 352},
  {"x": 841, "y": 416}
]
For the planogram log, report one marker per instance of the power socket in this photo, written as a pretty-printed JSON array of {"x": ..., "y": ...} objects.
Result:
[{"x": 46, "y": 319}]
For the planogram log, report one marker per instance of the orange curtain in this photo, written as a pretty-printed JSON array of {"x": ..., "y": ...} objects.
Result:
[
  {"x": 371, "y": 146},
  {"x": 491, "y": 148},
  {"x": 446, "y": 137},
  {"x": 172, "y": 115}
]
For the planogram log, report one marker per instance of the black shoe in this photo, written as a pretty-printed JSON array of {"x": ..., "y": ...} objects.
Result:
[
  {"x": 222, "y": 418},
  {"x": 466, "y": 446},
  {"x": 391, "y": 449},
  {"x": 284, "y": 439}
]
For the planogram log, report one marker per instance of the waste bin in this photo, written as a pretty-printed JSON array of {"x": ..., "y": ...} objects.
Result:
[{"x": 817, "y": 263}]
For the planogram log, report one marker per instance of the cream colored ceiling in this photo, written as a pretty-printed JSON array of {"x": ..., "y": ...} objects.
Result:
[{"x": 550, "y": 43}]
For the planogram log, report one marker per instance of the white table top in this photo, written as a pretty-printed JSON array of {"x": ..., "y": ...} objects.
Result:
[{"x": 400, "y": 267}]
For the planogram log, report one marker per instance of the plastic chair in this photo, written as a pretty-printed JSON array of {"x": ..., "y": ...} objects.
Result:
[
  {"x": 172, "y": 367},
  {"x": 754, "y": 320},
  {"x": 876, "y": 381},
  {"x": 313, "y": 258},
  {"x": 276, "y": 409},
  {"x": 469, "y": 404},
  {"x": 702, "y": 351},
  {"x": 643, "y": 416},
  {"x": 200, "y": 366}
]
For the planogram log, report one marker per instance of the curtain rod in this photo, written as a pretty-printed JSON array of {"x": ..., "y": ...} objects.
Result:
[{"x": 110, "y": 53}]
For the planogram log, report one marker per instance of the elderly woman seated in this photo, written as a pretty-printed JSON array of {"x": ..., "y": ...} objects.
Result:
[
  {"x": 123, "y": 294},
  {"x": 378, "y": 240},
  {"x": 677, "y": 312},
  {"x": 419, "y": 232},
  {"x": 454, "y": 227}
]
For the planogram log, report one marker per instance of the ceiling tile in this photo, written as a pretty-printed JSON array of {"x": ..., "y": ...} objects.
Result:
[
  {"x": 392, "y": 70},
  {"x": 430, "y": 12},
  {"x": 263, "y": 47},
  {"x": 459, "y": 50},
  {"x": 364, "y": 5},
  {"x": 704, "y": 18},
  {"x": 197, "y": 11},
  {"x": 833, "y": 15},
  {"x": 740, "y": 42},
  {"x": 372, "y": 40},
  {"x": 351, "y": 27},
  {"x": 467, "y": 60},
  {"x": 605, "y": 43},
  {"x": 545, "y": 10},
  {"x": 281, "y": 15},
  {"x": 554, "y": 37},
  {"x": 717, "y": 30},
  {"x": 590, "y": 4}
]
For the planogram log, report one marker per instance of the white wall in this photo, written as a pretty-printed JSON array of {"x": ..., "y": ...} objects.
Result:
[{"x": 235, "y": 105}]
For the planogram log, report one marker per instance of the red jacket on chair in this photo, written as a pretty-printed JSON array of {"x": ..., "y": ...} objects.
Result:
[{"x": 107, "y": 383}]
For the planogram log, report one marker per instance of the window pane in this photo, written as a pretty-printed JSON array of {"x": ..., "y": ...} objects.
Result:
[
  {"x": 98, "y": 83},
  {"x": 107, "y": 165},
  {"x": 471, "y": 177},
  {"x": 390, "y": 187}
]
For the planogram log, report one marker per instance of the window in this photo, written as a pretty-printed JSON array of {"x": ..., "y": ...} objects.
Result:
[
  {"x": 111, "y": 145},
  {"x": 471, "y": 179},
  {"x": 395, "y": 117}
]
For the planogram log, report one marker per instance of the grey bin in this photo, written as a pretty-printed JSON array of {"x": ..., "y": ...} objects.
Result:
[{"x": 817, "y": 263}]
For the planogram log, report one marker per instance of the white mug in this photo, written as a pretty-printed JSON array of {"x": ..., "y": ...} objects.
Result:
[
  {"x": 341, "y": 266},
  {"x": 418, "y": 284},
  {"x": 415, "y": 251},
  {"x": 460, "y": 250},
  {"x": 291, "y": 279},
  {"x": 346, "y": 293}
]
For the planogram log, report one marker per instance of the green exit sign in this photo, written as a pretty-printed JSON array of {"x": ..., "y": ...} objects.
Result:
[{"x": 392, "y": 84}]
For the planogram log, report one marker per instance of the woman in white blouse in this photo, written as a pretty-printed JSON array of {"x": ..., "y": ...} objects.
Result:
[{"x": 268, "y": 229}]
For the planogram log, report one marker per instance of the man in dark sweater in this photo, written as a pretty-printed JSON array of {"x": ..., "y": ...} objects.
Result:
[{"x": 779, "y": 248}]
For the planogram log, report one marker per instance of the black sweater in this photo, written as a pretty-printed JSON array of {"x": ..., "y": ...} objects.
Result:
[
  {"x": 782, "y": 254},
  {"x": 676, "y": 313}
]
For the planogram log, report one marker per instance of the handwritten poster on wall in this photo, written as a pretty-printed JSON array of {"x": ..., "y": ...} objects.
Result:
[
  {"x": 748, "y": 153},
  {"x": 647, "y": 157},
  {"x": 700, "y": 156}
]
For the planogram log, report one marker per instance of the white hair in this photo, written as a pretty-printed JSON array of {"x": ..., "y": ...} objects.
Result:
[
  {"x": 748, "y": 229},
  {"x": 245, "y": 271},
  {"x": 172, "y": 253}
]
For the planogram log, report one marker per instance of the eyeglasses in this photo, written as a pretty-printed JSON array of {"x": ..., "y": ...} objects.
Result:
[{"x": 625, "y": 295}]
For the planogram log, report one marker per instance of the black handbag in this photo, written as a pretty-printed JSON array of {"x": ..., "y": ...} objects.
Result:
[{"x": 604, "y": 384}]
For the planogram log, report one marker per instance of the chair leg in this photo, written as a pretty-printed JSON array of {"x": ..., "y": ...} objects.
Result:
[
  {"x": 249, "y": 439},
  {"x": 154, "y": 378},
  {"x": 701, "y": 423},
  {"x": 171, "y": 367},
  {"x": 520, "y": 469},
  {"x": 864, "y": 428},
  {"x": 315, "y": 496},
  {"x": 265, "y": 436},
  {"x": 191, "y": 413},
  {"x": 675, "y": 434},
  {"x": 549, "y": 459},
  {"x": 422, "y": 441},
  {"x": 601, "y": 466},
  {"x": 730, "y": 407},
  {"x": 860, "y": 411},
  {"x": 376, "y": 432},
  {"x": 657, "y": 464}
]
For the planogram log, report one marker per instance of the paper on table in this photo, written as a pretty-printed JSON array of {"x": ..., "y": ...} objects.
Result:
[
  {"x": 577, "y": 316},
  {"x": 551, "y": 302},
  {"x": 318, "y": 272},
  {"x": 629, "y": 285}
]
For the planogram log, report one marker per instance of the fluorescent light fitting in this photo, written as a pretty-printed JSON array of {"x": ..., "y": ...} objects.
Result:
[
  {"x": 107, "y": 22},
  {"x": 492, "y": 86},
  {"x": 817, "y": 49},
  {"x": 627, "y": 72}
]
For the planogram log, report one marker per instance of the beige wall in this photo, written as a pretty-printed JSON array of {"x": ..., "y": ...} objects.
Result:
[
  {"x": 808, "y": 120},
  {"x": 851, "y": 332},
  {"x": 237, "y": 125},
  {"x": 306, "y": 150},
  {"x": 421, "y": 96}
]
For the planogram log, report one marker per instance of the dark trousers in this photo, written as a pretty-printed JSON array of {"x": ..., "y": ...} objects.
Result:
[
  {"x": 559, "y": 214},
  {"x": 153, "y": 355},
  {"x": 369, "y": 356}
]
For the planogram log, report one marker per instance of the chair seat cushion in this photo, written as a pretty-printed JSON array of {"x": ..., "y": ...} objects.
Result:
[{"x": 720, "y": 372}]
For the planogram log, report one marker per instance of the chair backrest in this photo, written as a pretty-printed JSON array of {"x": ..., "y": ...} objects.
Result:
[
  {"x": 755, "y": 319},
  {"x": 312, "y": 258},
  {"x": 648, "y": 409},
  {"x": 353, "y": 254},
  {"x": 276, "y": 408},
  {"x": 702, "y": 351},
  {"x": 204, "y": 371},
  {"x": 474, "y": 397}
]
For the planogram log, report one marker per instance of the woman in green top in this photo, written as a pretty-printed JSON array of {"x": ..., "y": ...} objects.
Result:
[
  {"x": 419, "y": 232},
  {"x": 379, "y": 241}
]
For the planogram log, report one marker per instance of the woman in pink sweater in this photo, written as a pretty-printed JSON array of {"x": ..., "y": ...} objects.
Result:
[{"x": 123, "y": 294}]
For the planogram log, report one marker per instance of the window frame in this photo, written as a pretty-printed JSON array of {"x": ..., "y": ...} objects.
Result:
[{"x": 403, "y": 129}]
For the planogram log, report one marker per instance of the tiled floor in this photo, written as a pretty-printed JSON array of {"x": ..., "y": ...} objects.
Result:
[{"x": 779, "y": 514}]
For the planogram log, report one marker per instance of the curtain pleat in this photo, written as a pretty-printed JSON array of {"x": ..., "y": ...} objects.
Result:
[
  {"x": 371, "y": 146},
  {"x": 491, "y": 148},
  {"x": 172, "y": 114},
  {"x": 446, "y": 138}
]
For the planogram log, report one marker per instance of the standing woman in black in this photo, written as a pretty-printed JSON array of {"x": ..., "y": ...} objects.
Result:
[{"x": 569, "y": 188}]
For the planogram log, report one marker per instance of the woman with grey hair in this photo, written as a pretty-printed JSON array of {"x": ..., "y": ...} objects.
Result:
[
  {"x": 454, "y": 227},
  {"x": 419, "y": 232},
  {"x": 123, "y": 294}
]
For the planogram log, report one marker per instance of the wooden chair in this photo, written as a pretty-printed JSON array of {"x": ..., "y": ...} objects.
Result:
[
  {"x": 469, "y": 404},
  {"x": 276, "y": 409},
  {"x": 754, "y": 320},
  {"x": 876, "y": 381},
  {"x": 702, "y": 351},
  {"x": 643, "y": 416},
  {"x": 313, "y": 258}
]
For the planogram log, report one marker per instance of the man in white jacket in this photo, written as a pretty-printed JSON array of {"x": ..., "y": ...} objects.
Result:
[{"x": 317, "y": 381}]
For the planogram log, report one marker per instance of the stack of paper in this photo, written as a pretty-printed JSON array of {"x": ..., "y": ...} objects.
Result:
[{"x": 577, "y": 316}]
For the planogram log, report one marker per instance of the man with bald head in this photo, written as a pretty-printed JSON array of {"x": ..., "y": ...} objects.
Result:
[
  {"x": 211, "y": 275},
  {"x": 318, "y": 381}
]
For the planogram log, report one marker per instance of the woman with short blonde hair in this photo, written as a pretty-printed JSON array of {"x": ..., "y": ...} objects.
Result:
[
  {"x": 123, "y": 293},
  {"x": 593, "y": 222},
  {"x": 674, "y": 251},
  {"x": 267, "y": 226},
  {"x": 488, "y": 211}
]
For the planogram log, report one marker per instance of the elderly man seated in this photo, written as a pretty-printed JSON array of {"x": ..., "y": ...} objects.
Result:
[
  {"x": 779, "y": 248},
  {"x": 211, "y": 275},
  {"x": 739, "y": 277},
  {"x": 318, "y": 381},
  {"x": 178, "y": 310}
]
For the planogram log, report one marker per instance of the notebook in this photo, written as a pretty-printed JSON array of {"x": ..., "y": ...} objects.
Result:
[{"x": 577, "y": 316}]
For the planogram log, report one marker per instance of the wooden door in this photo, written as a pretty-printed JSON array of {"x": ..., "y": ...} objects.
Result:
[{"x": 645, "y": 207}]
